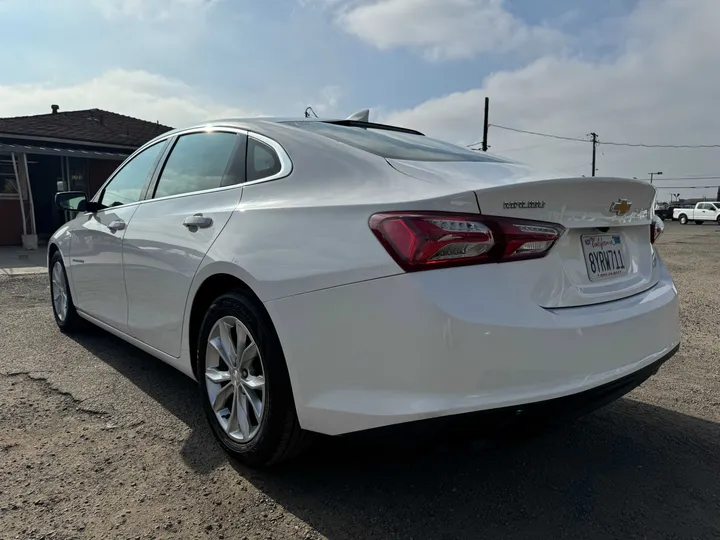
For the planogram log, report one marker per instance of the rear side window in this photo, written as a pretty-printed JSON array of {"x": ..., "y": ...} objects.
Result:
[
  {"x": 394, "y": 144},
  {"x": 196, "y": 162},
  {"x": 262, "y": 160}
]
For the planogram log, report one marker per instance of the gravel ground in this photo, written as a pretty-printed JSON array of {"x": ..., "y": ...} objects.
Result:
[{"x": 99, "y": 440}]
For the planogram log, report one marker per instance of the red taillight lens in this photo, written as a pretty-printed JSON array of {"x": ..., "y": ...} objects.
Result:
[
  {"x": 424, "y": 240},
  {"x": 656, "y": 229}
]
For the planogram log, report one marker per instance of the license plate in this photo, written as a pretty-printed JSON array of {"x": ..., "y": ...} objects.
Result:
[{"x": 604, "y": 256}]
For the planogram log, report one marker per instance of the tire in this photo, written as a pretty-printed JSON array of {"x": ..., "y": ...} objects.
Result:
[
  {"x": 698, "y": 222},
  {"x": 66, "y": 317},
  {"x": 683, "y": 219},
  {"x": 277, "y": 434},
  {"x": 718, "y": 220}
]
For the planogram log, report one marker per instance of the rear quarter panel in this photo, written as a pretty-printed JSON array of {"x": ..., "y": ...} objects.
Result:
[{"x": 309, "y": 231}]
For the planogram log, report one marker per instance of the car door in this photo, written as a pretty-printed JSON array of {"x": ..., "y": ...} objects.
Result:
[
  {"x": 191, "y": 199},
  {"x": 706, "y": 212},
  {"x": 96, "y": 240}
]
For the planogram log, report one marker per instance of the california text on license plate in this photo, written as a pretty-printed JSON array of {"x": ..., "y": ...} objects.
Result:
[{"x": 604, "y": 256}]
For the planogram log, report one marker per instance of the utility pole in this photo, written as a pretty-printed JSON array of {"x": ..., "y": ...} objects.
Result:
[
  {"x": 594, "y": 143},
  {"x": 653, "y": 174},
  {"x": 486, "y": 124}
]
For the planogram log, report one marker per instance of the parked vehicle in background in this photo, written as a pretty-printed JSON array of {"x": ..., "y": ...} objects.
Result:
[
  {"x": 340, "y": 276},
  {"x": 663, "y": 211},
  {"x": 703, "y": 211}
]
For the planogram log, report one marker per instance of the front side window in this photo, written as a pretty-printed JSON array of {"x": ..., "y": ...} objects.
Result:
[
  {"x": 197, "y": 162},
  {"x": 262, "y": 161},
  {"x": 127, "y": 185}
]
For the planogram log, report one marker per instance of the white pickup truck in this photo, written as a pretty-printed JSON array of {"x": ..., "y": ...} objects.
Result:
[{"x": 703, "y": 211}]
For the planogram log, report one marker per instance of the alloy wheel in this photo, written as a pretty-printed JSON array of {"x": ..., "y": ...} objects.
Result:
[
  {"x": 59, "y": 291},
  {"x": 235, "y": 379}
]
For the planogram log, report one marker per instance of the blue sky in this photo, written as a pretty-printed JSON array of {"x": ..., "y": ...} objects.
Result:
[
  {"x": 261, "y": 55},
  {"x": 631, "y": 70}
]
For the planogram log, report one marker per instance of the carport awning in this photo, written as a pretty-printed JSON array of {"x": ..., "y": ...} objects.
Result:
[{"x": 50, "y": 151}]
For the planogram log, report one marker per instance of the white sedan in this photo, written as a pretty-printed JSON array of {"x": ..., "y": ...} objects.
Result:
[{"x": 338, "y": 276}]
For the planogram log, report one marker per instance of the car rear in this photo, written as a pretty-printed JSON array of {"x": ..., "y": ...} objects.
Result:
[{"x": 549, "y": 288}]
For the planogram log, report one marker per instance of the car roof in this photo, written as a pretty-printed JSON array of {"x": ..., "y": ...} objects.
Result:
[{"x": 258, "y": 122}]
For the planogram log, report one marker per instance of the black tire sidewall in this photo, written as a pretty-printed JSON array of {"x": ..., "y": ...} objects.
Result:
[
  {"x": 71, "y": 320},
  {"x": 683, "y": 220},
  {"x": 278, "y": 393}
]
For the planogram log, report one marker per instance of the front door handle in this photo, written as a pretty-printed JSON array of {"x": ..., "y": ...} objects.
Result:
[
  {"x": 117, "y": 225},
  {"x": 198, "y": 221}
]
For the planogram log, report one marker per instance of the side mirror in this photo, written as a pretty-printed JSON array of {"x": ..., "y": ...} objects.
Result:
[{"x": 73, "y": 201}]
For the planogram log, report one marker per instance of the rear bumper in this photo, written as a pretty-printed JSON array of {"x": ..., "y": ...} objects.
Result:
[
  {"x": 434, "y": 344},
  {"x": 543, "y": 412}
]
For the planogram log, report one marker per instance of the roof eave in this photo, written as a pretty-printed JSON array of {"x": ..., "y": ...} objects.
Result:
[{"x": 67, "y": 141}]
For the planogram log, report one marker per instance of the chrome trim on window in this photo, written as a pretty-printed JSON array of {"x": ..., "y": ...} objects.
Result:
[{"x": 286, "y": 165}]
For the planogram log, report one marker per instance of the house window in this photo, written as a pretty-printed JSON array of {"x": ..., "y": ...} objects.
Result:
[{"x": 8, "y": 183}]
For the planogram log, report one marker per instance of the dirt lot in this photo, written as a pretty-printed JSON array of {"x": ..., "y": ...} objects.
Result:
[{"x": 99, "y": 440}]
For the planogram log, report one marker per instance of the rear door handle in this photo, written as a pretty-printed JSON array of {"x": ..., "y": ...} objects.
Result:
[
  {"x": 197, "y": 221},
  {"x": 117, "y": 225}
]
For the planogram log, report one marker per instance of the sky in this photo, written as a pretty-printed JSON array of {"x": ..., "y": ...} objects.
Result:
[{"x": 633, "y": 71}]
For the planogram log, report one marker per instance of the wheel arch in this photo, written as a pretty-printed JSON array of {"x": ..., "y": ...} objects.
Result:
[
  {"x": 211, "y": 287},
  {"x": 52, "y": 249}
]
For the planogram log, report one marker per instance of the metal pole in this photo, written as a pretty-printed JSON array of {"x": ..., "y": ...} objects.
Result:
[
  {"x": 594, "y": 143},
  {"x": 486, "y": 124},
  {"x": 19, "y": 188},
  {"x": 30, "y": 196}
]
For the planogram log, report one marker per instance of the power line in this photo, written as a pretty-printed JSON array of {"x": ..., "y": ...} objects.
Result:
[
  {"x": 607, "y": 143},
  {"x": 672, "y": 179},
  {"x": 540, "y": 134},
  {"x": 544, "y": 145},
  {"x": 639, "y": 145}
]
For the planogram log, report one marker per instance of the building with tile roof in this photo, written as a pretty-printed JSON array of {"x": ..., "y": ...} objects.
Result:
[{"x": 73, "y": 150}]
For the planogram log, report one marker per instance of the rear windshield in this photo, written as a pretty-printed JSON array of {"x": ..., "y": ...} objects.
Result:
[{"x": 394, "y": 144}]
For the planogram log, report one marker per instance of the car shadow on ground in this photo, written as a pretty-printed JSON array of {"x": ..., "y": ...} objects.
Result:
[{"x": 630, "y": 470}]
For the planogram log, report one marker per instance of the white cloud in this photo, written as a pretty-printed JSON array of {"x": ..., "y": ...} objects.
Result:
[
  {"x": 134, "y": 93},
  {"x": 662, "y": 88},
  {"x": 444, "y": 29}
]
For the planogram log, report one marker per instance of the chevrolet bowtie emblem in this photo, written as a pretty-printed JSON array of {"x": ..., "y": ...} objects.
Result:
[{"x": 621, "y": 207}]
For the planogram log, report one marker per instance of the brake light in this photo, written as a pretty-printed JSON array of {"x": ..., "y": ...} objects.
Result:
[
  {"x": 425, "y": 240},
  {"x": 657, "y": 227}
]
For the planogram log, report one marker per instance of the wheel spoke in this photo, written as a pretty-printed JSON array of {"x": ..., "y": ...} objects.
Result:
[
  {"x": 217, "y": 345},
  {"x": 243, "y": 414},
  {"x": 255, "y": 399},
  {"x": 217, "y": 376},
  {"x": 227, "y": 343},
  {"x": 248, "y": 355},
  {"x": 232, "y": 423},
  {"x": 241, "y": 340},
  {"x": 254, "y": 382},
  {"x": 222, "y": 397}
]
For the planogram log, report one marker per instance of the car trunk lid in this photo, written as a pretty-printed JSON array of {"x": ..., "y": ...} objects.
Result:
[{"x": 605, "y": 253}]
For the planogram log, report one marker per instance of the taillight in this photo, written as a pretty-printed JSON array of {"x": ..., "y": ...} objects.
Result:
[
  {"x": 425, "y": 240},
  {"x": 656, "y": 229}
]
